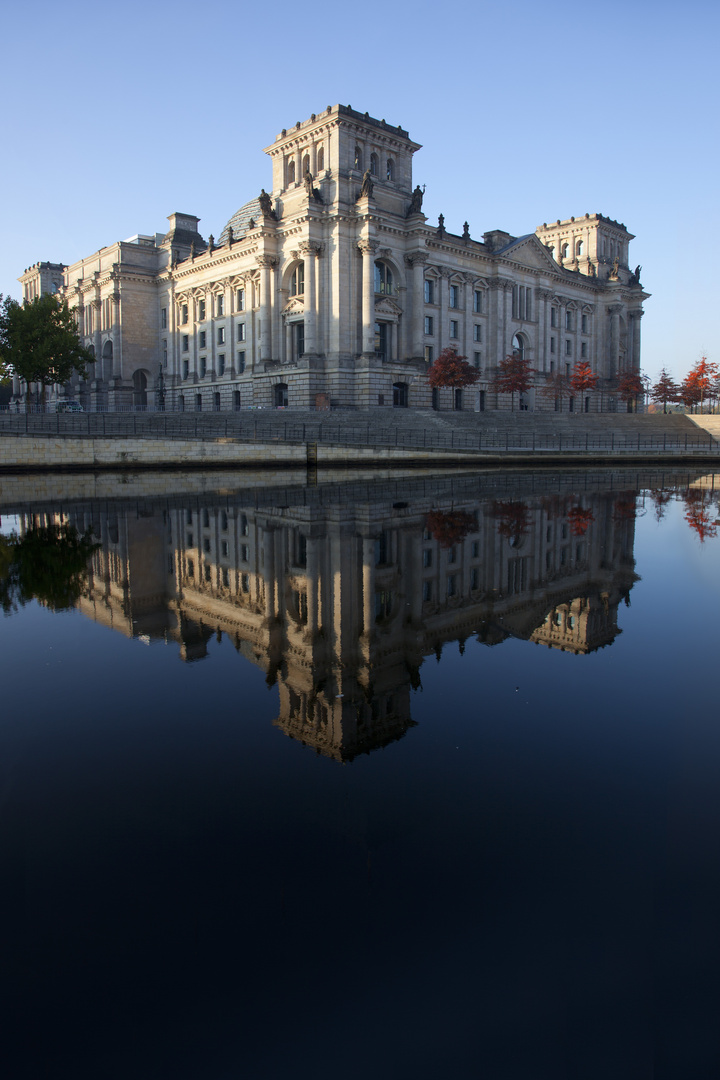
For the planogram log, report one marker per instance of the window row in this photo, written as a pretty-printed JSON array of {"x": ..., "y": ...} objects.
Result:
[
  {"x": 429, "y": 328},
  {"x": 291, "y": 169},
  {"x": 374, "y": 166},
  {"x": 202, "y": 309},
  {"x": 221, "y": 366},
  {"x": 569, "y": 320},
  {"x": 455, "y": 296}
]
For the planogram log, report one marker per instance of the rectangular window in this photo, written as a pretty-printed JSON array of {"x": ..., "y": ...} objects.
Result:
[
  {"x": 429, "y": 354},
  {"x": 190, "y": 542},
  {"x": 451, "y": 585},
  {"x": 452, "y": 554},
  {"x": 477, "y": 357},
  {"x": 221, "y": 364},
  {"x": 567, "y": 370},
  {"x": 206, "y": 544},
  {"x": 202, "y": 339},
  {"x": 454, "y": 328},
  {"x": 477, "y": 302},
  {"x": 226, "y": 577},
  {"x": 220, "y": 306},
  {"x": 164, "y": 353},
  {"x": 208, "y": 574},
  {"x": 429, "y": 291},
  {"x": 552, "y": 344},
  {"x": 241, "y": 331},
  {"x": 427, "y": 557},
  {"x": 568, "y": 320},
  {"x": 201, "y": 310},
  {"x": 454, "y": 296},
  {"x": 428, "y": 324},
  {"x": 244, "y": 526},
  {"x": 245, "y": 583},
  {"x": 243, "y": 553},
  {"x": 568, "y": 347},
  {"x": 203, "y": 367},
  {"x": 190, "y": 568},
  {"x": 240, "y": 300},
  {"x": 584, "y": 324},
  {"x": 185, "y": 371},
  {"x": 583, "y": 349},
  {"x": 553, "y": 316},
  {"x": 477, "y": 332},
  {"x": 224, "y": 549},
  {"x": 552, "y": 366},
  {"x": 240, "y": 363},
  {"x": 163, "y": 318},
  {"x": 221, "y": 335},
  {"x": 427, "y": 591},
  {"x": 475, "y": 549},
  {"x": 184, "y": 314},
  {"x": 185, "y": 343},
  {"x": 474, "y": 578}
]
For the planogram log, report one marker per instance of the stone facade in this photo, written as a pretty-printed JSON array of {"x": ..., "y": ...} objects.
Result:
[{"x": 334, "y": 289}]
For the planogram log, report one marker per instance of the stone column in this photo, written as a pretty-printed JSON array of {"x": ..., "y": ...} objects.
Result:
[
  {"x": 311, "y": 578},
  {"x": 310, "y": 250},
  {"x": 116, "y": 366},
  {"x": 269, "y": 571},
  {"x": 97, "y": 337},
  {"x": 614, "y": 313},
  {"x": 636, "y": 316},
  {"x": 266, "y": 263},
  {"x": 417, "y": 261},
  {"x": 442, "y": 330},
  {"x": 368, "y": 249}
]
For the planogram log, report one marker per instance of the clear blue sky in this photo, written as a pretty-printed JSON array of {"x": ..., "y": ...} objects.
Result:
[{"x": 115, "y": 115}]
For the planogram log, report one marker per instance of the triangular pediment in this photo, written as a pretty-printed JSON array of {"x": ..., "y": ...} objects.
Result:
[
  {"x": 294, "y": 306},
  {"x": 529, "y": 251},
  {"x": 386, "y": 306}
]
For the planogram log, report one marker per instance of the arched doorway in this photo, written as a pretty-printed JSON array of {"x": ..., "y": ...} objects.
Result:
[
  {"x": 281, "y": 396},
  {"x": 139, "y": 390},
  {"x": 400, "y": 395}
]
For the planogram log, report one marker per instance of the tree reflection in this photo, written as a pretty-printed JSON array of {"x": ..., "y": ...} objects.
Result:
[{"x": 47, "y": 563}]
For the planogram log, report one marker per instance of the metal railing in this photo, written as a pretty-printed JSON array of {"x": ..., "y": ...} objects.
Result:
[{"x": 274, "y": 428}]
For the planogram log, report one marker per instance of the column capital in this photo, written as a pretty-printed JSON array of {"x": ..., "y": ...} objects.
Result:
[
  {"x": 368, "y": 247},
  {"x": 311, "y": 247},
  {"x": 614, "y": 309},
  {"x": 267, "y": 262},
  {"x": 416, "y": 258}
]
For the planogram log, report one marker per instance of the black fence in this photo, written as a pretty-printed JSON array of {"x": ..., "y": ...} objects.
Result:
[{"x": 270, "y": 428}]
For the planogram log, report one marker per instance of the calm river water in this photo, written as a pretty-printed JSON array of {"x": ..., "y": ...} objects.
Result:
[{"x": 407, "y": 778}]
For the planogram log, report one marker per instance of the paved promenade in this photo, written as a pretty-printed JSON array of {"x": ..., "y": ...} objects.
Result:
[{"x": 383, "y": 436}]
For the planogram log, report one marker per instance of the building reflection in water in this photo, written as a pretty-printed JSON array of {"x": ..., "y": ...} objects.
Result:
[{"x": 340, "y": 595}]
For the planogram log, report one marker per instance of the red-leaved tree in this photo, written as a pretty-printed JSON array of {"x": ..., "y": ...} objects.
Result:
[
  {"x": 449, "y": 527},
  {"x": 665, "y": 390},
  {"x": 512, "y": 518},
  {"x": 697, "y": 513},
  {"x": 556, "y": 389},
  {"x": 630, "y": 388},
  {"x": 452, "y": 370},
  {"x": 698, "y": 383},
  {"x": 514, "y": 376},
  {"x": 583, "y": 377},
  {"x": 580, "y": 518}
]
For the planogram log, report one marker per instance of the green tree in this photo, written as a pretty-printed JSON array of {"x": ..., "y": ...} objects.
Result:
[
  {"x": 39, "y": 341},
  {"x": 48, "y": 564}
]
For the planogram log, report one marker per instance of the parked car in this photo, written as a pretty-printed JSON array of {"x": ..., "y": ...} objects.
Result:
[{"x": 69, "y": 406}]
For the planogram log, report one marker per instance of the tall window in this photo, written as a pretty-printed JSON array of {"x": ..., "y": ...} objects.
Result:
[
  {"x": 306, "y": 164},
  {"x": 454, "y": 328},
  {"x": 201, "y": 310},
  {"x": 374, "y": 164},
  {"x": 383, "y": 279},
  {"x": 203, "y": 367},
  {"x": 297, "y": 281},
  {"x": 579, "y": 248},
  {"x": 553, "y": 316},
  {"x": 429, "y": 354},
  {"x": 184, "y": 314},
  {"x": 221, "y": 335},
  {"x": 429, "y": 291},
  {"x": 357, "y": 162},
  {"x": 321, "y": 159},
  {"x": 477, "y": 332},
  {"x": 477, "y": 360},
  {"x": 568, "y": 320},
  {"x": 477, "y": 301},
  {"x": 202, "y": 339},
  {"x": 584, "y": 324},
  {"x": 454, "y": 296},
  {"x": 240, "y": 300},
  {"x": 240, "y": 363},
  {"x": 390, "y": 169},
  {"x": 163, "y": 318},
  {"x": 428, "y": 324},
  {"x": 241, "y": 331},
  {"x": 220, "y": 306},
  {"x": 185, "y": 343},
  {"x": 221, "y": 364},
  {"x": 291, "y": 171}
]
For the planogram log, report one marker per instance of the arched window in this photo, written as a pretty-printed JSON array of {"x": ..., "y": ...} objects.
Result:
[
  {"x": 579, "y": 248},
  {"x": 374, "y": 164},
  {"x": 390, "y": 169},
  {"x": 139, "y": 390},
  {"x": 306, "y": 164},
  {"x": 383, "y": 279},
  {"x": 297, "y": 281},
  {"x": 321, "y": 159},
  {"x": 357, "y": 163},
  {"x": 518, "y": 346},
  {"x": 564, "y": 251},
  {"x": 91, "y": 350},
  {"x": 291, "y": 171},
  {"x": 107, "y": 350}
]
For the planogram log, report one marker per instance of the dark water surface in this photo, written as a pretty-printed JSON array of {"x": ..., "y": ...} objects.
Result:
[{"x": 401, "y": 779}]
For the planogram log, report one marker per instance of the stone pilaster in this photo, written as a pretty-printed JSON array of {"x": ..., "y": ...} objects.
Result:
[{"x": 368, "y": 249}]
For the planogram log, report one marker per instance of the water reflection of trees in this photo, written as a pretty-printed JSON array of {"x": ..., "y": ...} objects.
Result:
[{"x": 47, "y": 563}]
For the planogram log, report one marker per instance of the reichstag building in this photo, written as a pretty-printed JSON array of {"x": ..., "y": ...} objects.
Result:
[{"x": 333, "y": 289}]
